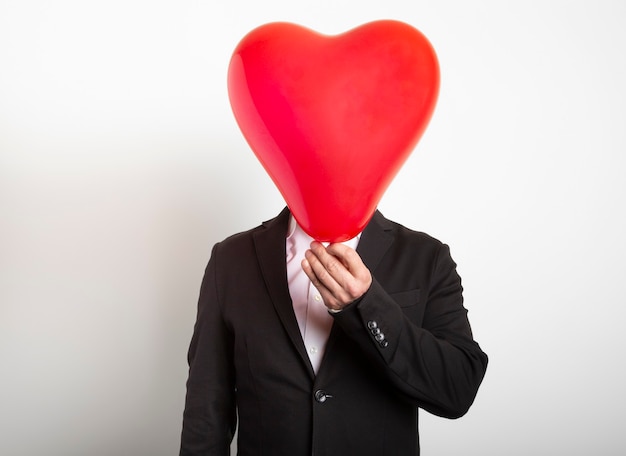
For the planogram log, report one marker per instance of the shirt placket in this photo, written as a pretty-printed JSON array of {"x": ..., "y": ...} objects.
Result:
[{"x": 318, "y": 324}]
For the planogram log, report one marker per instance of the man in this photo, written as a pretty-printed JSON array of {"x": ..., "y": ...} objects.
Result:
[{"x": 392, "y": 336}]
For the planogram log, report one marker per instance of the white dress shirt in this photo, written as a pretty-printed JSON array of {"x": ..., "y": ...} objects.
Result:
[{"x": 312, "y": 315}]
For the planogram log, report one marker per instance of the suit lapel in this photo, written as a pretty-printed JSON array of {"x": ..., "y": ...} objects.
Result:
[
  {"x": 376, "y": 239},
  {"x": 270, "y": 250}
]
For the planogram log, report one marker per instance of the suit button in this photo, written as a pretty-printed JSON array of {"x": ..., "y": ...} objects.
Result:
[
  {"x": 384, "y": 343},
  {"x": 372, "y": 324},
  {"x": 376, "y": 331},
  {"x": 379, "y": 337},
  {"x": 321, "y": 396}
]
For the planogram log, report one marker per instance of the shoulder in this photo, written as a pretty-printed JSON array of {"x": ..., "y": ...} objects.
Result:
[
  {"x": 391, "y": 248},
  {"x": 243, "y": 242},
  {"x": 403, "y": 235},
  {"x": 237, "y": 240}
]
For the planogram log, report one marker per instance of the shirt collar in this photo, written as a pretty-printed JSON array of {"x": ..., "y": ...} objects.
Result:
[{"x": 295, "y": 234}]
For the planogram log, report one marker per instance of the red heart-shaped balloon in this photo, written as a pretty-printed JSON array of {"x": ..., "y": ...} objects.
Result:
[{"x": 333, "y": 118}]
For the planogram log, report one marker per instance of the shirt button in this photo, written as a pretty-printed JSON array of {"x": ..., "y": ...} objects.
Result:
[
  {"x": 313, "y": 350},
  {"x": 318, "y": 298}
]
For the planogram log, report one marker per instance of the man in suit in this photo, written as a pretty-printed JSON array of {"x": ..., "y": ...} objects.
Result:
[{"x": 334, "y": 356}]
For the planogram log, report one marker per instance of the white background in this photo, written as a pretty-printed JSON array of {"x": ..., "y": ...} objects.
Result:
[{"x": 121, "y": 165}]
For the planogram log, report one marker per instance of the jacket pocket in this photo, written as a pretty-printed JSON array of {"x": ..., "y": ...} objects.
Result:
[
  {"x": 411, "y": 306},
  {"x": 406, "y": 298}
]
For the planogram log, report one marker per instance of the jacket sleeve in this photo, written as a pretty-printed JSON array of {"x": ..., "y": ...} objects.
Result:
[
  {"x": 435, "y": 363},
  {"x": 209, "y": 418}
]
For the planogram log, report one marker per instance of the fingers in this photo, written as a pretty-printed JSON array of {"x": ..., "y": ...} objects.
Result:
[
  {"x": 337, "y": 272},
  {"x": 350, "y": 259},
  {"x": 323, "y": 280},
  {"x": 326, "y": 294}
]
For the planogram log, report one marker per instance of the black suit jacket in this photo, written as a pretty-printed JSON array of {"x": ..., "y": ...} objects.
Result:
[{"x": 406, "y": 344}]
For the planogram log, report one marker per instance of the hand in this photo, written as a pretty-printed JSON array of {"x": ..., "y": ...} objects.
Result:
[{"x": 338, "y": 273}]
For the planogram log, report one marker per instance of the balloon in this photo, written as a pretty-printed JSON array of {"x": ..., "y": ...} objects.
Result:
[{"x": 333, "y": 118}]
